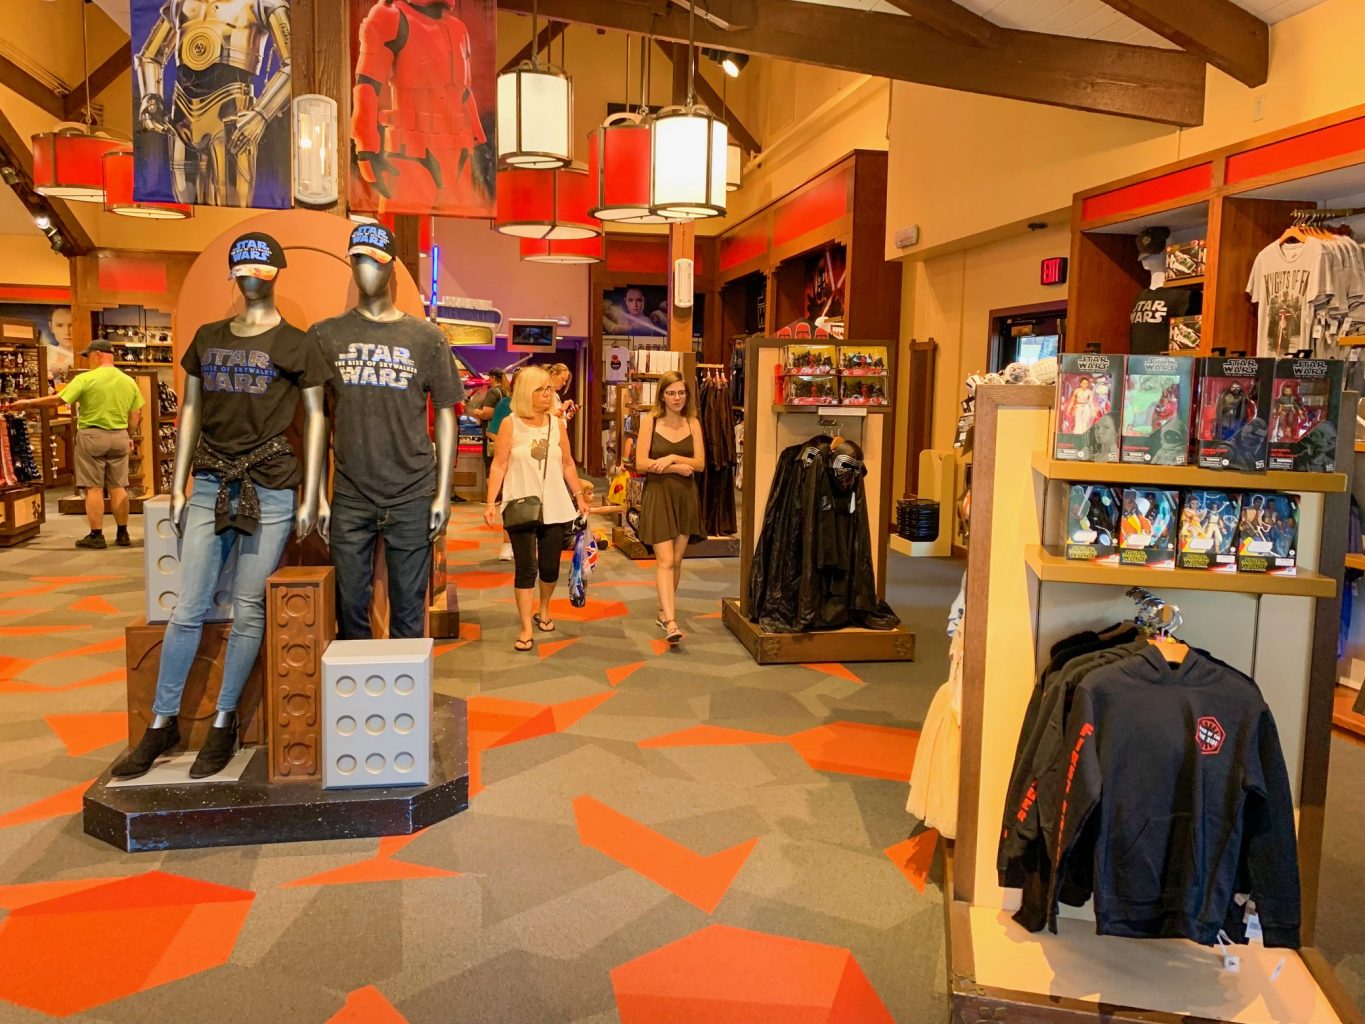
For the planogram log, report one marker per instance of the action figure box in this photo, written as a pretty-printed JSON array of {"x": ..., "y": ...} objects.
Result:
[
  {"x": 1089, "y": 385},
  {"x": 1305, "y": 402},
  {"x": 863, "y": 389},
  {"x": 1092, "y": 523},
  {"x": 1268, "y": 533},
  {"x": 1147, "y": 527},
  {"x": 808, "y": 360},
  {"x": 1208, "y": 531},
  {"x": 1157, "y": 394},
  {"x": 818, "y": 389},
  {"x": 1230, "y": 426},
  {"x": 1186, "y": 332},
  {"x": 1186, "y": 259},
  {"x": 862, "y": 359}
]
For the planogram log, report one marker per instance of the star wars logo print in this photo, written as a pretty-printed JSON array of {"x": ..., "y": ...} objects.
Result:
[
  {"x": 1209, "y": 735},
  {"x": 1149, "y": 311},
  {"x": 249, "y": 250},
  {"x": 376, "y": 366},
  {"x": 242, "y": 371},
  {"x": 370, "y": 234}
]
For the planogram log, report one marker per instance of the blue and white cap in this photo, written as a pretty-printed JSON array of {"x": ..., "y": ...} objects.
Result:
[
  {"x": 375, "y": 241},
  {"x": 256, "y": 255}
]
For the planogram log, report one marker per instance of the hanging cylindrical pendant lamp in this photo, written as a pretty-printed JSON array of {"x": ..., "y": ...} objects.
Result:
[
  {"x": 118, "y": 191},
  {"x": 734, "y": 167},
  {"x": 619, "y": 170},
  {"x": 688, "y": 163},
  {"x": 67, "y": 163},
  {"x": 576, "y": 250},
  {"x": 549, "y": 205},
  {"x": 535, "y": 111}
]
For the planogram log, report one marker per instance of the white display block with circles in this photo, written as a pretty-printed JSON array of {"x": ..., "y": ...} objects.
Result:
[
  {"x": 161, "y": 555},
  {"x": 376, "y": 712}
]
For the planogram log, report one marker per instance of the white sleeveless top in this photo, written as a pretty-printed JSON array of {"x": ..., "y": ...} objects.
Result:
[{"x": 525, "y": 465}]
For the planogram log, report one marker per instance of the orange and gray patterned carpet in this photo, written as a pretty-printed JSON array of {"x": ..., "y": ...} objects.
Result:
[{"x": 654, "y": 836}]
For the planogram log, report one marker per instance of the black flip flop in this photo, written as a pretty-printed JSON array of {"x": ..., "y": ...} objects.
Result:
[
  {"x": 529, "y": 642},
  {"x": 540, "y": 623}
]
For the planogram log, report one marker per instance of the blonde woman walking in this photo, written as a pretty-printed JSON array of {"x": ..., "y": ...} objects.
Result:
[
  {"x": 670, "y": 452},
  {"x": 532, "y": 464}
]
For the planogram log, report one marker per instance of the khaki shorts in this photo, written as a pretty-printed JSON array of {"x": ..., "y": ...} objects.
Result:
[{"x": 101, "y": 458}]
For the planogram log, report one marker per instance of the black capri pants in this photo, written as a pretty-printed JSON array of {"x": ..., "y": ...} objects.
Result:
[{"x": 537, "y": 547}]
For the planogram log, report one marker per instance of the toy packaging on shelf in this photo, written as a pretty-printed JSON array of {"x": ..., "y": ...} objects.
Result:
[
  {"x": 1186, "y": 332},
  {"x": 808, "y": 360},
  {"x": 1208, "y": 531},
  {"x": 1268, "y": 533},
  {"x": 862, "y": 389},
  {"x": 862, "y": 359},
  {"x": 1186, "y": 259},
  {"x": 1304, "y": 405},
  {"x": 1092, "y": 523},
  {"x": 1089, "y": 385},
  {"x": 1147, "y": 527},
  {"x": 1156, "y": 410},
  {"x": 818, "y": 389},
  {"x": 1234, "y": 400}
]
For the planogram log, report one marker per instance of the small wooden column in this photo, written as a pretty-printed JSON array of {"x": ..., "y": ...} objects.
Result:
[
  {"x": 300, "y": 622},
  {"x": 682, "y": 245}
]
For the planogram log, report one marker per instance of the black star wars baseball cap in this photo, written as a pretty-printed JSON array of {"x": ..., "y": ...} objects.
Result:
[
  {"x": 1152, "y": 240},
  {"x": 256, "y": 254},
  {"x": 375, "y": 241}
]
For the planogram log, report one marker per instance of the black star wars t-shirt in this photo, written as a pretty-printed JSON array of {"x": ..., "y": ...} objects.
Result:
[
  {"x": 250, "y": 389},
  {"x": 382, "y": 375},
  {"x": 1150, "y": 333}
]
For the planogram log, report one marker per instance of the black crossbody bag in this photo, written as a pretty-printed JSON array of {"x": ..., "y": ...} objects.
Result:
[{"x": 520, "y": 513}]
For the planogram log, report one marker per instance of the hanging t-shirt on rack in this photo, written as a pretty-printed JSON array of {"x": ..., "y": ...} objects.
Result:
[{"x": 1309, "y": 291}]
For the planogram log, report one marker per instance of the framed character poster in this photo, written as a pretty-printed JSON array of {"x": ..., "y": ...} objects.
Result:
[
  {"x": 423, "y": 111},
  {"x": 211, "y": 97}
]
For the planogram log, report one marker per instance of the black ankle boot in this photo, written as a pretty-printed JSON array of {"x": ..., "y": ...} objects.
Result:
[
  {"x": 216, "y": 752},
  {"x": 153, "y": 744}
]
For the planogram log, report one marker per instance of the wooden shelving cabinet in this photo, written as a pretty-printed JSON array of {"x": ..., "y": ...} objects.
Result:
[{"x": 23, "y": 367}]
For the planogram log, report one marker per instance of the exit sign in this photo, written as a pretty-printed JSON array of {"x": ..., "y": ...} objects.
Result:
[{"x": 1053, "y": 271}]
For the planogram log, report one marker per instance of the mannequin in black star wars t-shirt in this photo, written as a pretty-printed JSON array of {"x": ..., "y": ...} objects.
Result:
[
  {"x": 243, "y": 381},
  {"x": 386, "y": 365},
  {"x": 1150, "y": 330}
]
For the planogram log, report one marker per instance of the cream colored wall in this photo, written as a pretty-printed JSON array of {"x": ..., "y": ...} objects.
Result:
[
  {"x": 28, "y": 259},
  {"x": 963, "y": 166}
]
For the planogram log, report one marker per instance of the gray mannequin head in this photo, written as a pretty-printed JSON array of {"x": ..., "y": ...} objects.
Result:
[{"x": 372, "y": 278}]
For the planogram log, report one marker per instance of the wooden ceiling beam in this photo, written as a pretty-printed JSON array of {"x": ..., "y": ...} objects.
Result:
[
  {"x": 726, "y": 14},
  {"x": 1149, "y": 84},
  {"x": 14, "y": 151},
  {"x": 707, "y": 92},
  {"x": 548, "y": 35},
  {"x": 12, "y": 76},
  {"x": 101, "y": 78},
  {"x": 1221, "y": 33},
  {"x": 951, "y": 20}
]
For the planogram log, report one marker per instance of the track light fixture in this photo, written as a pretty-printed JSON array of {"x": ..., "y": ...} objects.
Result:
[{"x": 731, "y": 62}]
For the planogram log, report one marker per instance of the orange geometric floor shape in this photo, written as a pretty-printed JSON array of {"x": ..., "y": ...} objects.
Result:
[
  {"x": 95, "y": 605},
  {"x": 555, "y": 646},
  {"x": 7, "y": 685},
  {"x": 11, "y": 667},
  {"x": 726, "y": 975},
  {"x": 367, "y": 1006},
  {"x": 915, "y": 856},
  {"x": 72, "y": 952},
  {"x": 701, "y": 880},
  {"x": 12, "y": 897},
  {"x": 379, "y": 868},
  {"x": 659, "y": 646},
  {"x": 618, "y": 675},
  {"x": 833, "y": 668},
  {"x": 103, "y": 647},
  {"x": 37, "y": 630},
  {"x": 68, "y": 801},
  {"x": 497, "y": 722},
  {"x": 83, "y": 733},
  {"x": 592, "y": 611},
  {"x": 852, "y": 748},
  {"x": 709, "y": 736},
  {"x": 479, "y": 579}
]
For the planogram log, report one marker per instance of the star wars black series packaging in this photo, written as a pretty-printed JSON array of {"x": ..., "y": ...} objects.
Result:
[
  {"x": 1092, "y": 523},
  {"x": 1208, "y": 531},
  {"x": 1157, "y": 392},
  {"x": 1088, "y": 399},
  {"x": 1186, "y": 332},
  {"x": 1147, "y": 518},
  {"x": 1304, "y": 403},
  {"x": 1234, "y": 401},
  {"x": 1268, "y": 533}
]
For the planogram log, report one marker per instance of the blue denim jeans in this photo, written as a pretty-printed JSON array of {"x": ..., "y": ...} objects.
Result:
[
  {"x": 202, "y": 557},
  {"x": 356, "y": 523}
]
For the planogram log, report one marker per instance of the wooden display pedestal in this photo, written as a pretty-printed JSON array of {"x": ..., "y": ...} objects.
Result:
[
  {"x": 841, "y": 645},
  {"x": 23, "y": 515},
  {"x": 625, "y": 541}
]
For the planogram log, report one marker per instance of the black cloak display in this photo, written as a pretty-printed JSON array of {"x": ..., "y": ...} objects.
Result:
[{"x": 812, "y": 567}]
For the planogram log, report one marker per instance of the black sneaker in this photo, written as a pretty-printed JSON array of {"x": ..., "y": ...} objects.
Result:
[
  {"x": 216, "y": 752},
  {"x": 93, "y": 540},
  {"x": 153, "y": 744},
  {"x": 122, "y": 539}
]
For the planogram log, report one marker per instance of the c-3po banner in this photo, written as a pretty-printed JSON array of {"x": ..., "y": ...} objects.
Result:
[
  {"x": 422, "y": 110},
  {"x": 211, "y": 93}
]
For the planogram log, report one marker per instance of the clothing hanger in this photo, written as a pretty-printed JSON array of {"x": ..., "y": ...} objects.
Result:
[{"x": 1161, "y": 620}]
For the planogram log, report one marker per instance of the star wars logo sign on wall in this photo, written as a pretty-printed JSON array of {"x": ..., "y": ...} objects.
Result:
[
  {"x": 423, "y": 117},
  {"x": 1209, "y": 735}
]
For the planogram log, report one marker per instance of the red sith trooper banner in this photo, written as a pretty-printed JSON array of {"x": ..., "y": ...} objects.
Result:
[{"x": 423, "y": 114}]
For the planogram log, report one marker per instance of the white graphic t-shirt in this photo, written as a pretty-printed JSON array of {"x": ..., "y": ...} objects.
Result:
[{"x": 1287, "y": 281}]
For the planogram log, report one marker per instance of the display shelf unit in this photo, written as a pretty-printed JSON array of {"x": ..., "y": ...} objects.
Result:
[
  {"x": 23, "y": 506},
  {"x": 1016, "y": 609},
  {"x": 768, "y": 430},
  {"x": 146, "y": 461},
  {"x": 1239, "y": 198},
  {"x": 1186, "y": 476}
]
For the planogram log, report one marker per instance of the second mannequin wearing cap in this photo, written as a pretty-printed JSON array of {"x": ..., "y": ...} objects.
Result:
[
  {"x": 389, "y": 480},
  {"x": 244, "y": 379}
]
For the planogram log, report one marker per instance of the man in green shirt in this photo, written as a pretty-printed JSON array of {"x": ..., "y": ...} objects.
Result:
[{"x": 108, "y": 405}]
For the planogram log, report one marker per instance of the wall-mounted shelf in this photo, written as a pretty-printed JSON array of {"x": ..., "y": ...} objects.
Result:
[
  {"x": 833, "y": 410},
  {"x": 1355, "y": 561},
  {"x": 1051, "y": 566},
  {"x": 1184, "y": 282},
  {"x": 1185, "y": 476}
]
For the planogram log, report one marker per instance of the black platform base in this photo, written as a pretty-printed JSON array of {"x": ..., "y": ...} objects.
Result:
[{"x": 254, "y": 811}]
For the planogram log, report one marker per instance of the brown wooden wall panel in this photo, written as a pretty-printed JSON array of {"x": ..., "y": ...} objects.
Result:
[{"x": 300, "y": 606}]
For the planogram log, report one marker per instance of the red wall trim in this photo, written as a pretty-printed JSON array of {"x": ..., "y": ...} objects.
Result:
[
  {"x": 748, "y": 242},
  {"x": 1301, "y": 150},
  {"x": 1153, "y": 192},
  {"x": 54, "y": 293},
  {"x": 822, "y": 204},
  {"x": 643, "y": 255},
  {"x": 124, "y": 275}
]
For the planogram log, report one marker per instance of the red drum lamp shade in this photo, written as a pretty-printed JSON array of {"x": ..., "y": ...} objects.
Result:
[
  {"x": 619, "y": 152},
  {"x": 118, "y": 191},
  {"x": 575, "y": 250},
  {"x": 67, "y": 164},
  {"x": 548, "y": 205}
]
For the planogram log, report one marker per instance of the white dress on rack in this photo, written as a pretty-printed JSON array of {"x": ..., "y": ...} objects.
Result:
[{"x": 934, "y": 777}]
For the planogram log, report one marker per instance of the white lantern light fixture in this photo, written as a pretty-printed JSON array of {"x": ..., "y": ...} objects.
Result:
[
  {"x": 687, "y": 170},
  {"x": 315, "y": 150},
  {"x": 734, "y": 167},
  {"x": 535, "y": 112}
]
